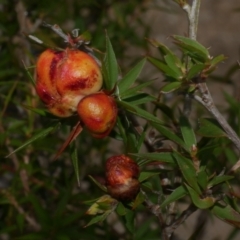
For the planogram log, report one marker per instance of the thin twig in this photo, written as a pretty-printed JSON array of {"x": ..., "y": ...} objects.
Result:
[
  {"x": 31, "y": 221},
  {"x": 184, "y": 215},
  {"x": 206, "y": 98},
  {"x": 207, "y": 102},
  {"x": 156, "y": 210}
]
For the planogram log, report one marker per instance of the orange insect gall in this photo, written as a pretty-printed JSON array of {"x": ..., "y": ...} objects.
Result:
[
  {"x": 63, "y": 78},
  {"x": 98, "y": 112}
]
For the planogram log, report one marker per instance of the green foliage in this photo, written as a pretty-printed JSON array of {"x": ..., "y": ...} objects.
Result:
[{"x": 67, "y": 198}]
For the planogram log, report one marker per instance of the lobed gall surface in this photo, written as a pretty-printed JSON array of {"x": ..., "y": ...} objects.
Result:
[
  {"x": 63, "y": 78},
  {"x": 122, "y": 177},
  {"x": 98, "y": 112}
]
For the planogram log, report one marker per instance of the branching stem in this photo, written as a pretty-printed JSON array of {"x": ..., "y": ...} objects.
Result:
[{"x": 206, "y": 98}]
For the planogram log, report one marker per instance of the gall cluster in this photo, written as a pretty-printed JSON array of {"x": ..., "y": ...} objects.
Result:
[{"x": 70, "y": 82}]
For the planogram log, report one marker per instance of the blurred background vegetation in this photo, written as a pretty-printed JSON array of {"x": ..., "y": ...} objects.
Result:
[{"x": 40, "y": 197}]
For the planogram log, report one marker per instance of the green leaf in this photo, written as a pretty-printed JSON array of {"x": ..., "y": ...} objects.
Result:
[
  {"x": 210, "y": 128},
  {"x": 74, "y": 157},
  {"x": 102, "y": 187},
  {"x": 140, "y": 98},
  {"x": 131, "y": 145},
  {"x": 199, "y": 202},
  {"x": 163, "y": 68},
  {"x": 98, "y": 218},
  {"x": 39, "y": 211},
  {"x": 61, "y": 205},
  {"x": 121, "y": 210},
  {"x": 129, "y": 221},
  {"x": 187, "y": 133},
  {"x": 29, "y": 74},
  {"x": 40, "y": 135},
  {"x": 178, "y": 193},
  {"x": 202, "y": 179},
  {"x": 110, "y": 66},
  {"x": 170, "y": 135},
  {"x": 171, "y": 61},
  {"x": 130, "y": 77},
  {"x": 227, "y": 214},
  {"x": 195, "y": 70},
  {"x": 165, "y": 157},
  {"x": 219, "y": 179},
  {"x": 188, "y": 171},
  {"x": 164, "y": 50},
  {"x": 166, "y": 110},
  {"x": 144, "y": 175},
  {"x": 139, "y": 112},
  {"x": 170, "y": 87},
  {"x": 194, "y": 49},
  {"x": 138, "y": 200},
  {"x": 136, "y": 89},
  {"x": 217, "y": 60}
]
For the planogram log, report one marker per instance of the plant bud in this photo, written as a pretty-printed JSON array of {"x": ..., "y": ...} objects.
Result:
[
  {"x": 122, "y": 177},
  {"x": 98, "y": 112},
  {"x": 63, "y": 78}
]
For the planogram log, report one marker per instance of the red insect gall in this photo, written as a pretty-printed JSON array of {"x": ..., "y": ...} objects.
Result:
[{"x": 122, "y": 177}]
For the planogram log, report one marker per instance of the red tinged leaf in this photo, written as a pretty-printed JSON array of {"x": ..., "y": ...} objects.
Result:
[{"x": 72, "y": 136}]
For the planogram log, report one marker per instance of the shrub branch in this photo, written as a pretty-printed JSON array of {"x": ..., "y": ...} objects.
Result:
[{"x": 206, "y": 98}]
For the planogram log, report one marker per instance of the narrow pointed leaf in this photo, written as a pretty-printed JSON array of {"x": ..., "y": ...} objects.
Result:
[
  {"x": 146, "y": 175},
  {"x": 188, "y": 171},
  {"x": 164, "y": 50},
  {"x": 121, "y": 210},
  {"x": 178, "y": 193},
  {"x": 130, "y": 77},
  {"x": 170, "y": 87},
  {"x": 129, "y": 221},
  {"x": 98, "y": 218},
  {"x": 77, "y": 129},
  {"x": 219, "y": 179},
  {"x": 140, "y": 98},
  {"x": 163, "y": 67},
  {"x": 74, "y": 157},
  {"x": 195, "y": 70},
  {"x": 166, "y": 110},
  {"x": 166, "y": 157},
  {"x": 227, "y": 214},
  {"x": 138, "y": 200},
  {"x": 199, "y": 202},
  {"x": 202, "y": 179},
  {"x": 210, "y": 128},
  {"x": 40, "y": 135},
  {"x": 136, "y": 89},
  {"x": 172, "y": 63},
  {"x": 139, "y": 112},
  {"x": 187, "y": 132},
  {"x": 170, "y": 135},
  {"x": 192, "y": 46},
  {"x": 218, "y": 59},
  {"x": 102, "y": 187},
  {"x": 110, "y": 66}
]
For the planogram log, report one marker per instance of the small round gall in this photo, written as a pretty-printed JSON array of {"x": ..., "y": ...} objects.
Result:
[
  {"x": 63, "y": 78},
  {"x": 98, "y": 113},
  {"x": 122, "y": 178}
]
